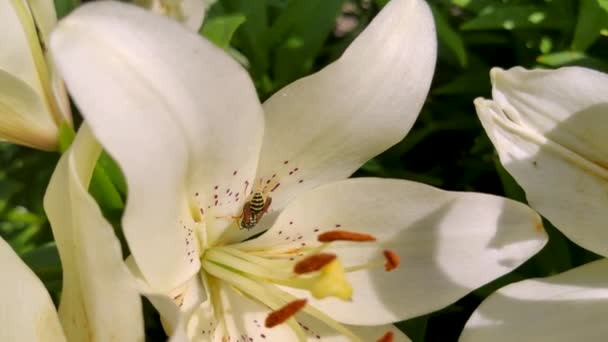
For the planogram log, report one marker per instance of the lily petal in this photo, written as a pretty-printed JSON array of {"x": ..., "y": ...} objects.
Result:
[
  {"x": 570, "y": 306},
  {"x": 325, "y": 126},
  {"x": 319, "y": 331},
  {"x": 23, "y": 117},
  {"x": 567, "y": 105},
  {"x": 17, "y": 60},
  {"x": 449, "y": 243},
  {"x": 244, "y": 318},
  {"x": 27, "y": 312},
  {"x": 549, "y": 130},
  {"x": 99, "y": 300},
  {"x": 180, "y": 117}
]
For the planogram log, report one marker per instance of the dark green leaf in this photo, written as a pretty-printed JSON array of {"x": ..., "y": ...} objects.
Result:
[
  {"x": 510, "y": 17},
  {"x": 449, "y": 37},
  {"x": 591, "y": 20}
]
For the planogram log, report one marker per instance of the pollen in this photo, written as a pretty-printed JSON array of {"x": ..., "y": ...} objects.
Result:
[
  {"x": 344, "y": 235},
  {"x": 392, "y": 260},
  {"x": 313, "y": 263},
  {"x": 388, "y": 337},
  {"x": 281, "y": 315}
]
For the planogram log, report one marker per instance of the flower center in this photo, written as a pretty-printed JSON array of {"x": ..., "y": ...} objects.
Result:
[{"x": 258, "y": 276}]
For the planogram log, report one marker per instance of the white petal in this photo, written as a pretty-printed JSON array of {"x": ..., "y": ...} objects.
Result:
[
  {"x": 178, "y": 115},
  {"x": 570, "y": 306},
  {"x": 23, "y": 117},
  {"x": 557, "y": 151},
  {"x": 244, "y": 318},
  {"x": 325, "y": 126},
  {"x": 319, "y": 331},
  {"x": 568, "y": 105},
  {"x": 99, "y": 300},
  {"x": 449, "y": 243},
  {"x": 17, "y": 60},
  {"x": 27, "y": 312}
]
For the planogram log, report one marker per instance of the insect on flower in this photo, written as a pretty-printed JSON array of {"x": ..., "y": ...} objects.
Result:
[{"x": 254, "y": 210}]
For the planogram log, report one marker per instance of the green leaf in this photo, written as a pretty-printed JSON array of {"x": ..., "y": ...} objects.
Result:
[
  {"x": 220, "y": 30},
  {"x": 113, "y": 171},
  {"x": 44, "y": 261},
  {"x": 64, "y": 7},
  {"x": 591, "y": 20},
  {"x": 603, "y": 4},
  {"x": 253, "y": 32},
  {"x": 472, "y": 82},
  {"x": 66, "y": 136},
  {"x": 509, "y": 17},
  {"x": 299, "y": 33},
  {"x": 449, "y": 37},
  {"x": 104, "y": 191},
  {"x": 561, "y": 58}
]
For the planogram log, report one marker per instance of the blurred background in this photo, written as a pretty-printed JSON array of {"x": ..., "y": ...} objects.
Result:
[{"x": 282, "y": 40}]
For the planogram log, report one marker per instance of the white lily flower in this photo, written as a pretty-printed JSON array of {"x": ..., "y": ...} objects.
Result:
[
  {"x": 191, "y": 13},
  {"x": 184, "y": 123},
  {"x": 33, "y": 103},
  {"x": 549, "y": 128},
  {"x": 99, "y": 301}
]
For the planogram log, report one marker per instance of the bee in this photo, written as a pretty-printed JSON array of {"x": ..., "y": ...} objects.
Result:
[{"x": 254, "y": 210}]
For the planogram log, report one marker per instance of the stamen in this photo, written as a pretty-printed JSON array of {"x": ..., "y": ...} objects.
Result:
[
  {"x": 343, "y": 235},
  {"x": 281, "y": 315},
  {"x": 388, "y": 337},
  {"x": 392, "y": 260},
  {"x": 313, "y": 263}
]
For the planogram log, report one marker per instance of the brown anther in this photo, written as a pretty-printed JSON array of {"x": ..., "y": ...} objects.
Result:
[
  {"x": 388, "y": 337},
  {"x": 313, "y": 263},
  {"x": 281, "y": 315},
  {"x": 344, "y": 235},
  {"x": 392, "y": 260}
]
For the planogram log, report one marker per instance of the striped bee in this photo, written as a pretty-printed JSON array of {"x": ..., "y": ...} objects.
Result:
[{"x": 254, "y": 210}]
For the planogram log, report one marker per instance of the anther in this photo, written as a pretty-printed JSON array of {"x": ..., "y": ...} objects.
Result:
[
  {"x": 281, "y": 315},
  {"x": 313, "y": 263},
  {"x": 388, "y": 337},
  {"x": 344, "y": 235},
  {"x": 392, "y": 260}
]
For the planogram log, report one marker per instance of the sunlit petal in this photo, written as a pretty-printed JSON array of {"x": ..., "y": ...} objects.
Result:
[
  {"x": 325, "y": 126},
  {"x": 27, "y": 312},
  {"x": 180, "y": 117},
  {"x": 24, "y": 118},
  {"x": 549, "y": 130},
  {"x": 99, "y": 300},
  {"x": 449, "y": 243},
  {"x": 570, "y": 306}
]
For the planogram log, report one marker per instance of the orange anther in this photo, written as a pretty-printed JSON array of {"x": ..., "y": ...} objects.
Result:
[
  {"x": 344, "y": 235},
  {"x": 281, "y": 315},
  {"x": 313, "y": 263},
  {"x": 392, "y": 260},
  {"x": 388, "y": 337}
]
